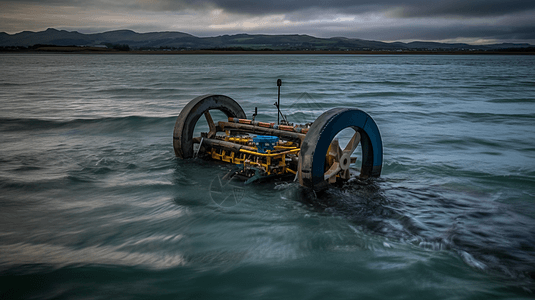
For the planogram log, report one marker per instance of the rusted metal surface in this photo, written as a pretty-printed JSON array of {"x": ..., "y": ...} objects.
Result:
[
  {"x": 297, "y": 128},
  {"x": 229, "y": 146},
  {"x": 222, "y": 126}
]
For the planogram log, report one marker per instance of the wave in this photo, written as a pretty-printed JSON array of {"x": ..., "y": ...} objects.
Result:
[
  {"x": 385, "y": 82},
  {"x": 469, "y": 116},
  {"x": 61, "y": 256},
  {"x": 409, "y": 215},
  {"x": 382, "y": 94},
  {"x": 494, "y": 117},
  {"x": 513, "y": 100},
  {"x": 105, "y": 123}
]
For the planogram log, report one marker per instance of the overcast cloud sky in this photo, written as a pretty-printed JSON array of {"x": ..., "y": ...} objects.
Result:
[{"x": 472, "y": 21}]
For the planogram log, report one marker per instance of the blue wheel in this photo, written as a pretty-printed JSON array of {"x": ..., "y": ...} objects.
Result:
[{"x": 314, "y": 169}]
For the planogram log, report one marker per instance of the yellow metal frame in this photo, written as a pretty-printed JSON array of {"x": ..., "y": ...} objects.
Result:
[
  {"x": 252, "y": 158},
  {"x": 255, "y": 158}
]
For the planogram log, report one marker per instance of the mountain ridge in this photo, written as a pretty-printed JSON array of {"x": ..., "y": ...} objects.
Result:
[{"x": 181, "y": 40}]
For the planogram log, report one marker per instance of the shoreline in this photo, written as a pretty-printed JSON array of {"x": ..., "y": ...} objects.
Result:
[{"x": 95, "y": 50}]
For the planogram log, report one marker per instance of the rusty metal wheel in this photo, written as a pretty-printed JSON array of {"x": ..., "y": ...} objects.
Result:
[
  {"x": 190, "y": 114},
  {"x": 320, "y": 148}
]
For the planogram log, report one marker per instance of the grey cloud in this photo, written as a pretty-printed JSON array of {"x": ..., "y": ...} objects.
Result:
[
  {"x": 290, "y": 6},
  {"x": 149, "y": 5},
  {"x": 417, "y": 32},
  {"x": 408, "y": 8},
  {"x": 459, "y": 8},
  {"x": 490, "y": 19}
]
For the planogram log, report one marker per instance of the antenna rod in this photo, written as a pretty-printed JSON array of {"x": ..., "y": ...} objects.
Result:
[
  {"x": 279, "y": 83},
  {"x": 255, "y": 113}
]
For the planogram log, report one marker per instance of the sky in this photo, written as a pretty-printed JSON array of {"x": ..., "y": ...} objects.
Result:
[{"x": 468, "y": 21}]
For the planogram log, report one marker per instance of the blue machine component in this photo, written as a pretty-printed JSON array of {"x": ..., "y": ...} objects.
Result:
[
  {"x": 322, "y": 132},
  {"x": 265, "y": 142}
]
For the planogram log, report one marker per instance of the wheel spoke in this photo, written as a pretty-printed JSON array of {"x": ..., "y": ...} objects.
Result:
[
  {"x": 353, "y": 143},
  {"x": 331, "y": 173},
  {"x": 211, "y": 124},
  {"x": 334, "y": 150}
]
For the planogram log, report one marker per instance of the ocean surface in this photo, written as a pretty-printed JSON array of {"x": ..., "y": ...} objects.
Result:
[{"x": 94, "y": 204}]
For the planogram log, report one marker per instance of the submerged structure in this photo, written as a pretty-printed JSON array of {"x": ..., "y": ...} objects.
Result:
[{"x": 263, "y": 150}]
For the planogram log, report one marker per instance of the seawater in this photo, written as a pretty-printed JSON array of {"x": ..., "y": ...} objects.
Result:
[{"x": 94, "y": 204}]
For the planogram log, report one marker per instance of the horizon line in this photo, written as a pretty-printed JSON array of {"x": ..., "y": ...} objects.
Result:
[{"x": 271, "y": 34}]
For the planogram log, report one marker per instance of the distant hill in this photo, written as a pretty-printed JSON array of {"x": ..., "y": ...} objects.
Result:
[{"x": 180, "y": 40}]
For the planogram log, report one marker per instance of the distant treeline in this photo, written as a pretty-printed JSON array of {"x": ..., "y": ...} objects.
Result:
[
  {"x": 528, "y": 49},
  {"x": 118, "y": 47},
  {"x": 125, "y": 47},
  {"x": 238, "y": 49}
]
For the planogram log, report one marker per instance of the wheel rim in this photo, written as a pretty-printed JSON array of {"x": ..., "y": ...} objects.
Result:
[
  {"x": 320, "y": 137},
  {"x": 190, "y": 114}
]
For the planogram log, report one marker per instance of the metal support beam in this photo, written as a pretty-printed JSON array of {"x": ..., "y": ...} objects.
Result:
[
  {"x": 222, "y": 144},
  {"x": 222, "y": 126}
]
